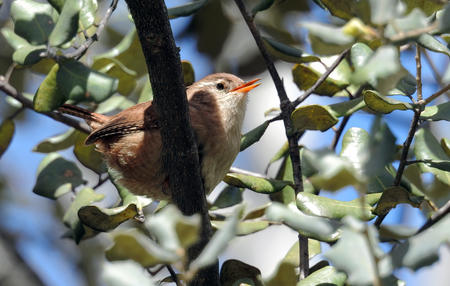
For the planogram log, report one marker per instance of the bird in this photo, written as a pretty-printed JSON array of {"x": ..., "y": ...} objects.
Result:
[{"x": 130, "y": 141}]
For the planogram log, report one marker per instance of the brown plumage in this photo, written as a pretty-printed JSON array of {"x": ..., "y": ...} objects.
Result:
[{"x": 131, "y": 142}]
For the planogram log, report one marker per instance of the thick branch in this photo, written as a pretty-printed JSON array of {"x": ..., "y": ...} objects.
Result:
[
  {"x": 180, "y": 155},
  {"x": 11, "y": 91},
  {"x": 286, "y": 109}
]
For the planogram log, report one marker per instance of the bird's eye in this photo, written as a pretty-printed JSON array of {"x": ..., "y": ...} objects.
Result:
[{"x": 220, "y": 86}]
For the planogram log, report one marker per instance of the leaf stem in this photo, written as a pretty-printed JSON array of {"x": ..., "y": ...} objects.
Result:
[{"x": 437, "y": 94}]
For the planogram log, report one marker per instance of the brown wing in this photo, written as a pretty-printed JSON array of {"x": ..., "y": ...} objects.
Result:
[{"x": 140, "y": 117}]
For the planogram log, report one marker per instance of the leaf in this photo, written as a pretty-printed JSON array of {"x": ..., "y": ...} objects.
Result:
[
  {"x": 324, "y": 276},
  {"x": 284, "y": 275},
  {"x": 67, "y": 25},
  {"x": 292, "y": 256},
  {"x": 188, "y": 73},
  {"x": 48, "y": 97},
  {"x": 396, "y": 232},
  {"x": 28, "y": 54},
  {"x": 305, "y": 77},
  {"x": 87, "y": 155},
  {"x": 173, "y": 230},
  {"x": 421, "y": 249},
  {"x": 322, "y": 229},
  {"x": 348, "y": 9},
  {"x": 382, "y": 104},
  {"x": 429, "y": 7},
  {"x": 347, "y": 108},
  {"x": 235, "y": 272},
  {"x": 14, "y": 40},
  {"x": 313, "y": 117},
  {"x": 379, "y": 70},
  {"x": 354, "y": 147},
  {"x": 124, "y": 273},
  {"x": 186, "y": 10},
  {"x": 253, "y": 135},
  {"x": 134, "y": 245},
  {"x": 243, "y": 227},
  {"x": 261, "y": 6},
  {"x": 146, "y": 92},
  {"x": 383, "y": 11},
  {"x": 87, "y": 13},
  {"x": 393, "y": 196},
  {"x": 257, "y": 212},
  {"x": 33, "y": 21},
  {"x": 359, "y": 54},
  {"x": 287, "y": 53},
  {"x": 84, "y": 197},
  {"x": 56, "y": 143},
  {"x": 358, "y": 265},
  {"x": 56, "y": 176},
  {"x": 444, "y": 20},
  {"x": 328, "y": 34},
  {"x": 256, "y": 184},
  {"x": 325, "y": 207},
  {"x": 228, "y": 197},
  {"x": 426, "y": 147},
  {"x": 445, "y": 144},
  {"x": 6, "y": 134},
  {"x": 436, "y": 112},
  {"x": 114, "y": 68},
  {"x": 217, "y": 243},
  {"x": 431, "y": 43},
  {"x": 413, "y": 21},
  {"x": 115, "y": 102}
]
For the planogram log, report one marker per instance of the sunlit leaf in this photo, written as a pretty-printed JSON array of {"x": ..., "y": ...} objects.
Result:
[
  {"x": 392, "y": 197},
  {"x": 228, "y": 197},
  {"x": 283, "y": 275},
  {"x": 6, "y": 134},
  {"x": 431, "y": 43},
  {"x": 346, "y": 9},
  {"x": 324, "y": 276},
  {"x": 322, "y": 229},
  {"x": 413, "y": 21},
  {"x": 436, "y": 112},
  {"x": 186, "y": 9},
  {"x": 313, "y": 117},
  {"x": 305, "y": 77},
  {"x": 253, "y": 135},
  {"x": 87, "y": 155},
  {"x": 383, "y": 11},
  {"x": 445, "y": 144},
  {"x": 28, "y": 54},
  {"x": 188, "y": 72},
  {"x": 256, "y": 184},
  {"x": 326, "y": 39},
  {"x": 444, "y": 20},
  {"x": 244, "y": 227},
  {"x": 146, "y": 92},
  {"x": 383, "y": 104},
  {"x": 124, "y": 273},
  {"x": 293, "y": 253},
  {"x": 87, "y": 13},
  {"x": 56, "y": 143},
  {"x": 14, "y": 40},
  {"x": 257, "y": 212},
  {"x": 84, "y": 197},
  {"x": 67, "y": 25},
  {"x": 114, "y": 68},
  {"x": 55, "y": 174}
]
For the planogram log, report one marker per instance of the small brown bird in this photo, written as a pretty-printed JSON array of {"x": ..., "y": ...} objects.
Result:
[{"x": 131, "y": 141}]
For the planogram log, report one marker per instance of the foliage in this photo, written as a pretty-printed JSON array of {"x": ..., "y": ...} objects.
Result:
[{"x": 373, "y": 36}]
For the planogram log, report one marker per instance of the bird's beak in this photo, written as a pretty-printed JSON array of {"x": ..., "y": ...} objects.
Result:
[{"x": 246, "y": 87}]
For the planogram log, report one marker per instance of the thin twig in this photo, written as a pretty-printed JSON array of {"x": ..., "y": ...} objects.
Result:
[
  {"x": 78, "y": 53},
  {"x": 15, "y": 113},
  {"x": 437, "y": 216},
  {"x": 101, "y": 181},
  {"x": 9, "y": 72},
  {"x": 418, "y": 74},
  {"x": 322, "y": 78},
  {"x": 173, "y": 275},
  {"x": 412, "y": 33},
  {"x": 287, "y": 108},
  {"x": 11, "y": 91},
  {"x": 437, "y": 94}
]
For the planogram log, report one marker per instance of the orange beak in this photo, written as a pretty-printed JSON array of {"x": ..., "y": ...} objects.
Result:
[{"x": 246, "y": 87}]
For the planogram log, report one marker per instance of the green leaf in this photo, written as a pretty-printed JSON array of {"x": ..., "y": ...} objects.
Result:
[
  {"x": 87, "y": 155},
  {"x": 28, "y": 55},
  {"x": 87, "y": 13},
  {"x": 324, "y": 276},
  {"x": 292, "y": 256},
  {"x": 134, "y": 245},
  {"x": 393, "y": 196},
  {"x": 173, "y": 230},
  {"x": 261, "y": 6},
  {"x": 383, "y": 11},
  {"x": 188, "y": 73},
  {"x": 328, "y": 34},
  {"x": 84, "y": 197},
  {"x": 348, "y": 9},
  {"x": 436, "y": 112},
  {"x": 421, "y": 249},
  {"x": 146, "y": 92},
  {"x": 186, "y": 9},
  {"x": 243, "y": 227},
  {"x": 431, "y": 43},
  {"x": 56, "y": 176},
  {"x": 115, "y": 102},
  {"x": 347, "y": 107},
  {"x": 426, "y": 147},
  {"x": 284, "y": 275},
  {"x": 413, "y": 21},
  {"x": 56, "y": 143},
  {"x": 397, "y": 232},
  {"x": 228, "y": 197},
  {"x": 429, "y": 7},
  {"x": 48, "y": 97},
  {"x": 257, "y": 212},
  {"x": 124, "y": 273},
  {"x": 217, "y": 243},
  {"x": 6, "y": 135},
  {"x": 67, "y": 26},
  {"x": 322, "y": 229},
  {"x": 382, "y": 70},
  {"x": 256, "y": 184},
  {"x": 444, "y": 20},
  {"x": 445, "y": 144},
  {"x": 358, "y": 265},
  {"x": 235, "y": 272},
  {"x": 14, "y": 40},
  {"x": 305, "y": 77},
  {"x": 325, "y": 207},
  {"x": 354, "y": 147},
  {"x": 383, "y": 104},
  {"x": 114, "y": 68},
  {"x": 313, "y": 117},
  {"x": 359, "y": 54},
  {"x": 407, "y": 85},
  {"x": 253, "y": 135},
  {"x": 33, "y": 21},
  {"x": 287, "y": 53},
  {"x": 57, "y": 4}
]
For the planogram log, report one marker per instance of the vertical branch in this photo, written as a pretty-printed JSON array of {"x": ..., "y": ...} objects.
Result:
[
  {"x": 179, "y": 149},
  {"x": 293, "y": 136},
  {"x": 418, "y": 74}
]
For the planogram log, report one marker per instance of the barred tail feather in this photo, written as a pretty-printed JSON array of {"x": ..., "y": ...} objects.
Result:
[{"x": 92, "y": 119}]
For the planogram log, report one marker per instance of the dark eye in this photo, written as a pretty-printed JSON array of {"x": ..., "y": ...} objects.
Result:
[{"x": 220, "y": 86}]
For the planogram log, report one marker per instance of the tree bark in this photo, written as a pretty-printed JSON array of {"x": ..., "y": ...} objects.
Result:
[{"x": 180, "y": 154}]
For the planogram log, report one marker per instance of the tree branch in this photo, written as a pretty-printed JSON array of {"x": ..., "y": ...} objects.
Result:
[
  {"x": 437, "y": 94},
  {"x": 437, "y": 216},
  {"x": 179, "y": 149},
  {"x": 11, "y": 91},
  {"x": 287, "y": 108}
]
